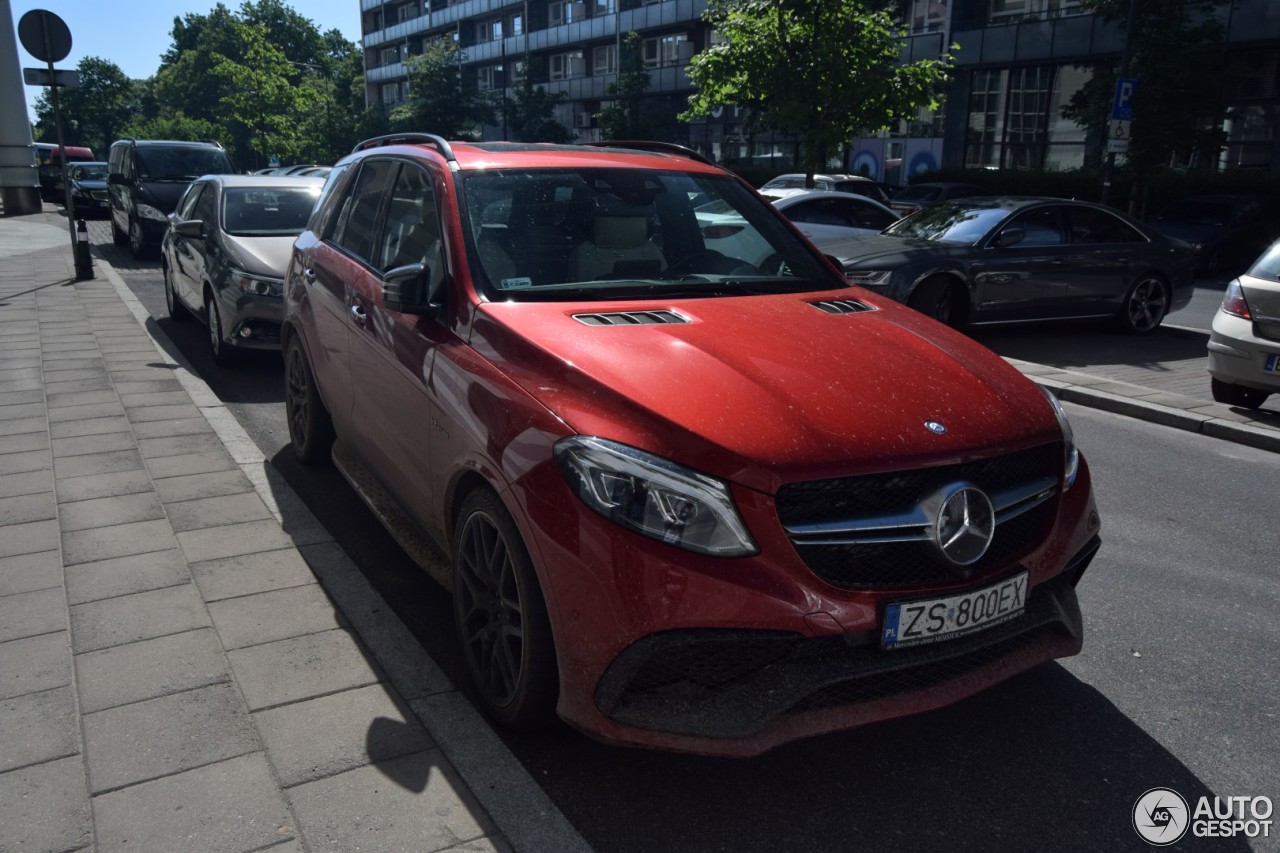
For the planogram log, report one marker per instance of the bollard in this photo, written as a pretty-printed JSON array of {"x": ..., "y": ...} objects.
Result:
[{"x": 84, "y": 263}]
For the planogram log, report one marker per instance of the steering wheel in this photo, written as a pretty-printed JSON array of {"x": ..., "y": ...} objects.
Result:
[{"x": 710, "y": 262}]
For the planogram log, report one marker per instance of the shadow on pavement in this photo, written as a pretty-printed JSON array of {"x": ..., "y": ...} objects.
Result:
[{"x": 1082, "y": 346}]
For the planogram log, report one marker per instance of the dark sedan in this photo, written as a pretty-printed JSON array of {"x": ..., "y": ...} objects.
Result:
[
  {"x": 225, "y": 253},
  {"x": 89, "y": 189},
  {"x": 1229, "y": 231},
  {"x": 1003, "y": 259}
]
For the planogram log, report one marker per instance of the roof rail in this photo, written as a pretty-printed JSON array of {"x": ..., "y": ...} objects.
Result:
[
  {"x": 651, "y": 146},
  {"x": 409, "y": 139}
]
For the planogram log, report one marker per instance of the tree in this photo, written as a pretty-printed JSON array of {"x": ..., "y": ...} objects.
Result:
[
  {"x": 624, "y": 118},
  {"x": 530, "y": 111},
  {"x": 822, "y": 71},
  {"x": 96, "y": 112},
  {"x": 440, "y": 101},
  {"x": 1180, "y": 64}
]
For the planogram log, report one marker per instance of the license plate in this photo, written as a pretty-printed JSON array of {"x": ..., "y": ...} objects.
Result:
[
  {"x": 1273, "y": 364},
  {"x": 915, "y": 623}
]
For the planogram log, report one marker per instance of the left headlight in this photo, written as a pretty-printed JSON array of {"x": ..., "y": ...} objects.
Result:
[
  {"x": 1071, "y": 454},
  {"x": 869, "y": 278},
  {"x": 146, "y": 211},
  {"x": 257, "y": 285},
  {"x": 654, "y": 496}
]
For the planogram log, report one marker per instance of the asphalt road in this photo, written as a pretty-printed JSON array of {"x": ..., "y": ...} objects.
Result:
[{"x": 1178, "y": 685}]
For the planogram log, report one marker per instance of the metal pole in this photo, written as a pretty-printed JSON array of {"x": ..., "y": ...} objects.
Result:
[{"x": 1126, "y": 60}]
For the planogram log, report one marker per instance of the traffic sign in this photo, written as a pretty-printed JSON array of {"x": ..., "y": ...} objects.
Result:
[
  {"x": 40, "y": 77},
  {"x": 1122, "y": 105},
  {"x": 1118, "y": 132},
  {"x": 44, "y": 35}
]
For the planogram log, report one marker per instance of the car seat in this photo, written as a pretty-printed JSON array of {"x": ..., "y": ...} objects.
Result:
[{"x": 619, "y": 245}]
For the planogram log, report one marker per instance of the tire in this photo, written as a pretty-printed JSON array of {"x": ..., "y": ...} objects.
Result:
[
  {"x": 178, "y": 312},
  {"x": 117, "y": 236},
  {"x": 501, "y": 617},
  {"x": 310, "y": 427},
  {"x": 223, "y": 354},
  {"x": 1145, "y": 305},
  {"x": 1237, "y": 395},
  {"x": 936, "y": 298},
  {"x": 138, "y": 244}
]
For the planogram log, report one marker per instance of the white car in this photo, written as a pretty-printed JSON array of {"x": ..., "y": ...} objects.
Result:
[
  {"x": 1244, "y": 346},
  {"x": 787, "y": 185}
]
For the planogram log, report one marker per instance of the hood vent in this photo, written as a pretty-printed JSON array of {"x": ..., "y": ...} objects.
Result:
[
  {"x": 632, "y": 318},
  {"x": 842, "y": 306}
]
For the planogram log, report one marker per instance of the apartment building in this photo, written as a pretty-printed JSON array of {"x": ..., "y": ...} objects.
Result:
[{"x": 1017, "y": 63}]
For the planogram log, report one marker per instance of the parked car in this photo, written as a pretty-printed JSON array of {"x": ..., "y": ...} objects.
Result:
[
  {"x": 89, "y": 189},
  {"x": 908, "y": 200},
  {"x": 1244, "y": 345},
  {"x": 48, "y": 160},
  {"x": 145, "y": 178},
  {"x": 1006, "y": 259},
  {"x": 819, "y": 214},
  {"x": 1228, "y": 231},
  {"x": 784, "y": 185},
  {"x": 684, "y": 500},
  {"x": 225, "y": 254}
]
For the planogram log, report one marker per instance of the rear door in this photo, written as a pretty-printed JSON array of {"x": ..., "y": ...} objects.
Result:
[{"x": 1103, "y": 258}]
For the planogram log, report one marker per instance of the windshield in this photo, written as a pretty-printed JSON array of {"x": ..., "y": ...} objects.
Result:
[
  {"x": 1197, "y": 213},
  {"x": 267, "y": 211},
  {"x": 917, "y": 194},
  {"x": 181, "y": 163},
  {"x": 619, "y": 233},
  {"x": 949, "y": 223},
  {"x": 95, "y": 172}
]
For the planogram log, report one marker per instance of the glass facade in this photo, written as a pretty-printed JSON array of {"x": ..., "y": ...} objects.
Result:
[{"x": 1015, "y": 118}]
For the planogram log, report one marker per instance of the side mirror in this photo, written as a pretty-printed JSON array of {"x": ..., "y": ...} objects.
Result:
[
  {"x": 407, "y": 290},
  {"x": 190, "y": 228},
  {"x": 1009, "y": 237}
]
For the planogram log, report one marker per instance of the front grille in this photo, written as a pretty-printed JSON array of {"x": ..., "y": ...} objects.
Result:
[{"x": 907, "y": 564}]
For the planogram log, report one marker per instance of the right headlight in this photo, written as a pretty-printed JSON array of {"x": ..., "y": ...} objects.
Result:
[
  {"x": 1071, "y": 454},
  {"x": 654, "y": 496},
  {"x": 870, "y": 278}
]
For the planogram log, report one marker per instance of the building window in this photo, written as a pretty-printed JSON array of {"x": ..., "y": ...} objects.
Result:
[
  {"x": 1025, "y": 120},
  {"x": 515, "y": 23},
  {"x": 663, "y": 50},
  {"x": 986, "y": 118},
  {"x": 517, "y": 71},
  {"x": 605, "y": 7},
  {"x": 1003, "y": 10},
  {"x": 489, "y": 77},
  {"x": 1015, "y": 118},
  {"x": 392, "y": 55},
  {"x": 927, "y": 16},
  {"x": 408, "y": 12},
  {"x": 604, "y": 60},
  {"x": 394, "y": 93},
  {"x": 564, "y": 12},
  {"x": 565, "y": 65},
  {"x": 489, "y": 30}
]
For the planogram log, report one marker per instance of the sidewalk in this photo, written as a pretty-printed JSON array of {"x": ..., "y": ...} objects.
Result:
[{"x": 188, "y": 662}]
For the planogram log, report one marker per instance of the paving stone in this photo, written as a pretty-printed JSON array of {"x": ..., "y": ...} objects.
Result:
[
  {"x": 86, "y": 444},
  {"x": 133, "y": 373},
  {"x": 150, "y": 668},
  {"x": 416, "y": 802},
  {"x": 85, "y": 411},
  {"x": 193, "y": 486},
  {"x": 300, "y": 668},
  {"x": 247, "y": 574},
  {"x": 30, "y": 572},
  {"x": 23, "y": 508},
  {"x": 233, "y": 805},
  {"x": 332, "y": 734},
  {"x": 41, "y": 727},
  {"x": 231, "y": 540},
  {"x": 29, "y": 614},
  {"x": 250, "y": 620},
  {"x": 82, "y": 398},
  {"x": 24, "y": 442},
  {"x": 98, "y": 384},
  {"x": 28, "y": 538},
  {"x": 216, "y": 511},
  {"x": 9, "y": 385},
  {"x": 97, "y": 463},
  {"x": 155, "y": 398},
  {"x": 162, "y": 429},
  {"x": 45, "y": 808},
  {"x": 180, "y": 445},
  {"x": 20, "y": 426},
  {"x": 143, "y": 414},
  {"x": 30, "y": 483},
  {"x": 194, "y": 463},
  {"x": 23, "y": 463},
  {"x": 11, "y": 411},
  {"x": 104, "y": 512},
  {"x": 123, "y": 388},
  {"x": 83, "y": 374},
  {"x": 119, "y": 540},
  {"x": 163, "y": 736},
  {"x": 75, "y": 361},
  {"x": 103, "y": 485},
  {"x": 34, "y": 664},
  {"x": 93, "y": 581},
  {"x": 89, "y": 426},
  {"x": 140, "y": 616}
]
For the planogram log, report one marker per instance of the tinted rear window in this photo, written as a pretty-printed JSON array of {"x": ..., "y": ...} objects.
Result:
[{"x": 1267, "y": 266}]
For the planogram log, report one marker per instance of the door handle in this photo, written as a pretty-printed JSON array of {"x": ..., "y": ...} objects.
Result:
[
  {"x": 309, "y": 275},
  {"x": 358, "y": 313}
]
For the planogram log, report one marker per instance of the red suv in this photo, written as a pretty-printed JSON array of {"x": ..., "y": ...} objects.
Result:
[{"x": 684, "y": 500}]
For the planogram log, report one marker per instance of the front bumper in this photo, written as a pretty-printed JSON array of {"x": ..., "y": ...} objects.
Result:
[
  {"x": 1238, "y": 354},
  {"x": 250, "y": 321}
]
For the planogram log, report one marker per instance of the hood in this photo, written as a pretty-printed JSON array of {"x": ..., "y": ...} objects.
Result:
[
  {"x": 870, "y": 249},
  {"x": 91, "y": 184},
  {"x": 260, "y": 255},
  {"x": 163, "y": 195},
  {"x": 762, "y": 390}
]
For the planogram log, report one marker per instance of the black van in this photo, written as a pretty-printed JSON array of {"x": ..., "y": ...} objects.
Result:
[{"x": 145, "y": 177}]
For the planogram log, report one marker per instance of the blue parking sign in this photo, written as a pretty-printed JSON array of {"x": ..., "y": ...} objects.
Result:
[{"x": 1122, "y": 106}]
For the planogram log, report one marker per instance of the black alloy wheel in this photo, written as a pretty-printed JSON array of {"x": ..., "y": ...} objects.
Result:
[
  {"x": 935, "y": 297},
  {"x": 223, "y": 355},
  {"x": 177, "y": 311},
  {"x": 1237, "y": 395},
  {"x": 1145, "y": 305},
  {"x": 137, "y": 241},
  {"x": 501, "y": 617},
  {"x": 310, "y": 427}
]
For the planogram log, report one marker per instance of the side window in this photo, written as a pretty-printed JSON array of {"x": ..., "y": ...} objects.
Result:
[
  {"x": 1097, "y": 226},
  {"x": 188, "y": 202},
  {"x": 866, "y": 216},
  {"x": 206, "y": 208},
  {"x": 412, "y": 228},
  {"x": 325, "y": 202},
  {"x": 1042, "y": 227},
  {"x": 357, "y": 219},
  {"x": 805, "y": 212}
]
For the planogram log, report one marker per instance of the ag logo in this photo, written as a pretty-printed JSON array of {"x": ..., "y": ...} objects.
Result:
[{"x": 1160, "y": 816}]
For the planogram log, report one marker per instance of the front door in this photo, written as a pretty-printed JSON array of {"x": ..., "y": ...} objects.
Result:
[{"x": 1026, "y": 279}]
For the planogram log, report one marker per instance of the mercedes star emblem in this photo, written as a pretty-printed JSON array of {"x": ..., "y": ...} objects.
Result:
[{"x": 965, "y": 524}]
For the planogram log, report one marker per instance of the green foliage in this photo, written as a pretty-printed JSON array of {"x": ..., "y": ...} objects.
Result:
[
  {"x": 440, "y": 101},
  {"x": 624, "y": 118},
  {"x": 822, "y": 71},
  {"x": 530, "y": 111},
  {"x": 94, "y": 114}
]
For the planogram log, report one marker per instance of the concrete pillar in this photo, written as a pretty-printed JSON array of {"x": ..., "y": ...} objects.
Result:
[{"x": 19, "y": 182}]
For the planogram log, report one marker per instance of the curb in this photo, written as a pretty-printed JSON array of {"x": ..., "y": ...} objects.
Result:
[{"x": 526, "y": 817}]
